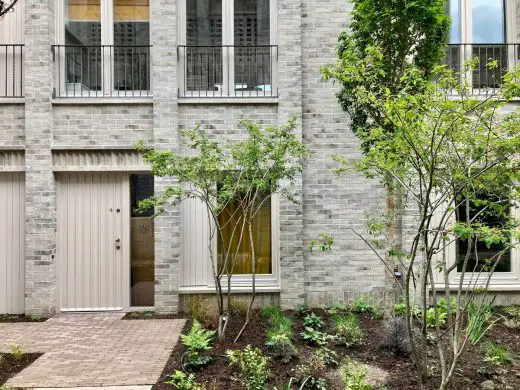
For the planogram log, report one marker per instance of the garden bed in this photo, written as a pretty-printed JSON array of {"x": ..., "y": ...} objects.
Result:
[
  {"x": 20, "y": 318},
  {"x": 395, "y": 371},
  {"x": 9, "y": 366},
  {"x": 151, "y": 315}
]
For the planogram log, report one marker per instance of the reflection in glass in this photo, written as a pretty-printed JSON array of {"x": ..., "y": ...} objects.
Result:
[
  {"x": 204, "y": 41},
  {"x": 488, "y": 21},
  {"x": 131, "y": 41},
  {"x": 83, "y": 29},
  {"x": 252, "y": 51},
  {"x": 142, "y": 243},
  {"x": 454, "y": 12}
]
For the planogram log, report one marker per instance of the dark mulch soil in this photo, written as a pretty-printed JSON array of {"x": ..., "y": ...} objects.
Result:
[
  {"x": 20, "y": 318},
  {"x": 9, "y": 366},
  {"x": 472, "y": 371},
  {"x": 151, "y": 315}
]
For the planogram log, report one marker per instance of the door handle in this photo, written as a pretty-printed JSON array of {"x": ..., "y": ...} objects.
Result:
[{"x": 118, "y": 240}]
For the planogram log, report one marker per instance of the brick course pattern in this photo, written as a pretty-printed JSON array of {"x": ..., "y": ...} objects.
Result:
[{"x": 92, "y": 350}]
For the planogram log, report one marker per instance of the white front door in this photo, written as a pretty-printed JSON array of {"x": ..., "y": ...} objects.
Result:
[{"x": 93, "y": 241}]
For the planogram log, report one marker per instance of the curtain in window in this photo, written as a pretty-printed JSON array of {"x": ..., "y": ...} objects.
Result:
[{"x": 261, "y": 227}]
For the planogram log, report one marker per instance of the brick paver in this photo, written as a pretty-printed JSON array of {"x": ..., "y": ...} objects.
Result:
[{"x": 97, "y": 349}]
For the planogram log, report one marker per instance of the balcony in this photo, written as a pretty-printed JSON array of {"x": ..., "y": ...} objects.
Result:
[
  {"x": 102, "y": 71},
  {"x": 11, "y": 71},
  {"x": 227, "y": 71},
  {"x": 483, "y": 80}
]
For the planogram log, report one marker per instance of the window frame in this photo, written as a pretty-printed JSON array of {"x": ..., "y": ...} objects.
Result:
[
  {"x": 228, "y": 66},
  {"x": 108, "y": 60},
  {"x": 506, "y": 281}
]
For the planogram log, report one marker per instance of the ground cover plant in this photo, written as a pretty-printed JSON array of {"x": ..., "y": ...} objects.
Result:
[
  {"x": 12, "y": 364},
  {"x": 380, "y": 360}
]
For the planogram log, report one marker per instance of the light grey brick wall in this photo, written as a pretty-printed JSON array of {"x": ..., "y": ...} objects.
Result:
[
  {"x": 333, "y": 204},
  {"x": 12, "y": 125},
  {"x": 40, "y": 218},
  {"x": 102, "y": 126},
  {"x": 290, "y": 63},
  {"x": 168, "y": 226}
]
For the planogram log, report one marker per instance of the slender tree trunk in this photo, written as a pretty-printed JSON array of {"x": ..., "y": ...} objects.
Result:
[{"x": 392, "y": 226}]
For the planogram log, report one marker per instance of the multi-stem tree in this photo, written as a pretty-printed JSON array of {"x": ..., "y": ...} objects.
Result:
[
  {"x": 6, "y": 6},
  {"x": 231, "y": 177},
  {"x": 455, "y": 158},
  {"x": 408, "y": 33}
]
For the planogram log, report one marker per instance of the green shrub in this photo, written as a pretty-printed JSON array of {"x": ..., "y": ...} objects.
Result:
[
  {"x": 400, "y": 309},
  {"x": 313, "y": 336},
  {"x": 17, "y": 350},
  {"x": 432, "y": 318},
  {"x": 180, "y": 381},
  {"x": 197, "y": 341},
  {"x": 302, "y": 309},
  {"x": 361, "y": 305},
  {"x": 328, "y": 356},
  {"x": 252, "y": 367},
  {"x": 354, "y": 375},
  {"x": 347, "y": 329},
  {"x": 313, "y": 321},
  {"x": 497, "y": 355},
  {"x": 337, "y": 308},
  {"x": 311, "y": 374},
  {"x": 281, "y": 345}
]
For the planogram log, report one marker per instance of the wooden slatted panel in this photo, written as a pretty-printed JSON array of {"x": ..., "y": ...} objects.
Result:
[
  {"x": 12, "y": 237},
  {"x": 93, "y": 273},
  {"x": 195, "y": 264}
]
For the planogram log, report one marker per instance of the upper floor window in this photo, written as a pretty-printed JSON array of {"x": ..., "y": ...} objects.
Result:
[
  {"x": 479, "y": 28},
  {"x": 104, "y": 48},
  {"x": 11, "y": 51},
  {"x": 227, "y": 48}
]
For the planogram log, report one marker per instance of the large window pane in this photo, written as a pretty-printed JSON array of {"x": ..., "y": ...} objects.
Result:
[
  {"x": 485, "y": 255},
  {"x": 83, "y": 29},
  {"x": 204, "y": 45},
  {"x": 488, "y": 21},
  {"x": 142, "y": 244},
  {"x": 454, "y": 12},
  {"x": 261, "y": 228},
  {"x": 252, "y": 51},
  {"x": 131, "y": 44}
]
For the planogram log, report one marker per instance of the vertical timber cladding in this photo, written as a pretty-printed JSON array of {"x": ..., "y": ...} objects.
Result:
[
  {"x": 12, "y": 238},
  {"x": 93, "y": 241}
]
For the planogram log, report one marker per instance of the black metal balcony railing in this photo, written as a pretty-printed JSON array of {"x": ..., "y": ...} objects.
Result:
[
  {"x": 11, "y": 71},
  {"x": 228, "y": 71},
  {"x": 483, "y": 79},
  {"x": 102, "y": 71}
]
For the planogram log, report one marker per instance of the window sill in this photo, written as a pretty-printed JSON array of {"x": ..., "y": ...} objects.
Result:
[
  {"x": 495, "y": 287},
  {"x": 234, "y": 290},
  {"x": 17, "y": 100},
  {"x": 102, "y": 100},
  {"x": 228, "y": 100}
]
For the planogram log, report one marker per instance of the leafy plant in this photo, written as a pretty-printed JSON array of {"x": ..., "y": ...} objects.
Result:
[
  {"x": 361, "y": 305},
  {"x": 17, "y": 350},
  {"x": 396, "y": 335},
  {"x": 252, "y": 367},
  {"x": 311, "y": 374},
  {"x": 347, "y": 329},
  {"x": 197, "y": 341},
  {"x": 434, "y": 317},
  {"x": 337, "y": 308},
  {"x": 180, "y": 381},
  {"x": 302, "y": 309},
  {"x": 354, "y": 375},
  {"x": 328, "y": 356},
  {"x": 496, "y": 354},
  {"x": 313, "y": 321},
  {"x": 480, "y": 321},
  {"x": 271, "y": 311},
  {"x": 281, "y": 346},
  {"x": 400, "y": 309},
  {"x": 313, "y": 336}
]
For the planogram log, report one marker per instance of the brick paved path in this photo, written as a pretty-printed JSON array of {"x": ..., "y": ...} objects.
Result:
[{"x": 92, "y": 350}]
